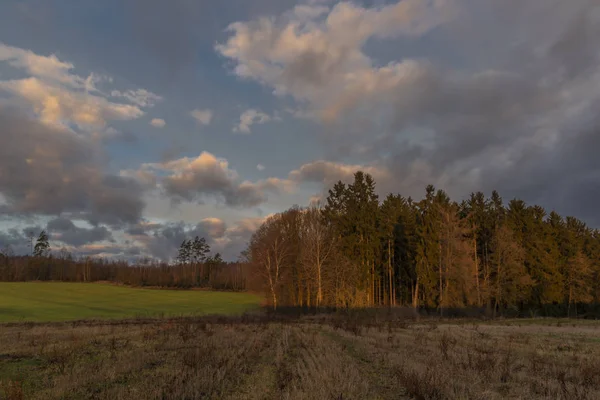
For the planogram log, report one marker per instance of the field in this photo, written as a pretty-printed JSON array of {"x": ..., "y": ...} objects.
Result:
[
  {"x": 335, "y": 356},
  {"x": 33, "y": 301}
]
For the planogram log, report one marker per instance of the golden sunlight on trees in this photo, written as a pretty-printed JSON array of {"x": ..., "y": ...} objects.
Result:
[{"x": 358, "y": 251}]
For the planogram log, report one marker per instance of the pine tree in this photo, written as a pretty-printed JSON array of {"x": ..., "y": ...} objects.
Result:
[
  {"x": 42, "y": 246},
  {"x": 185, "y": 252},
  {"x": 434, "y": 252},
  {"x": 198, "y": 250},
  {"x": 217, "y": 259},
  {"x": 510, "y": 281},
  {"x": 362, "y": 218},
  {"x": 428, "y": 252},
  {"x": 390, "y": 211}
]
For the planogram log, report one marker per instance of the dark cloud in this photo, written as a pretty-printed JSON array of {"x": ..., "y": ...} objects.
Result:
[
  {"x": 17, "y": 241},
  {"x": 65, "y": 231},
  {"x": 518, "y": 114},
  {"x": 212, "y": 181},
  {"x": 162, "y": 241},
  {"x": 49, "y": 171},
  {"x": 205, "y": 177},
  {"x": 238, "y": 236}
]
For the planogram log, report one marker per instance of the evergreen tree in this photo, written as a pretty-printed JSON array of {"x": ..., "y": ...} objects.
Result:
[
  {"x": 511, "y": 282},
  {"x": 362, "y": 219},
  {"x": 198, "y": 250},
  {"x": 390, "y": 211},
  {"x": 432, "y": 253},
  {"x": 42, "y": 246},
  {"x": 428, "y": 259},
  {"x": 216, "y": 259},
  {"x": 185, "y": 252}
]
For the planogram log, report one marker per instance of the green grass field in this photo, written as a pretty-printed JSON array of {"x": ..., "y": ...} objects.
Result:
[{"x": 33, "y": 301}]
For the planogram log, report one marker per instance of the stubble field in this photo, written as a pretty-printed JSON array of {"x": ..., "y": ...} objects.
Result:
[{"x": 337, "y": 356}]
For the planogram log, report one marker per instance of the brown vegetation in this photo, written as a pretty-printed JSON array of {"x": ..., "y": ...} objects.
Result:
[{"x": 324, "y": 356}]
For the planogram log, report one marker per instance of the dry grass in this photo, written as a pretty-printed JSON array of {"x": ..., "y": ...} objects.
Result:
[{"x": 328, "y": 357}]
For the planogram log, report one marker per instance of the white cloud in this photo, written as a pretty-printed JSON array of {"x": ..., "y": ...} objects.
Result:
[
  {"x": 423, "y": 120},
  {"x": 315, "y": 54},
  {"x": 249, "y": 118},
  {"x": 203, "y": 117},
  {"x": 56, "y": 105},
  {"x": 260, "y": 167},
  {"x": 49, "y": 68},
  {"x": 139, "y": 97},
  {"x": 158, "y": 123},
  {"x": 61, "y": 98}
]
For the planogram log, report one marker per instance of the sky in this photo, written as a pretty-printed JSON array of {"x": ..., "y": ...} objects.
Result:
[{"x": 129, "y": 125}]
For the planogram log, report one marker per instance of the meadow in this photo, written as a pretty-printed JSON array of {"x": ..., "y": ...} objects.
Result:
[
  {"x": 58, "y": 301},
  {"x": 342, "y": 355}
]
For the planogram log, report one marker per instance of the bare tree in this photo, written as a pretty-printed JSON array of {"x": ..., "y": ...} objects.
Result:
[
  {"x": 269, "y": 250},
  {"x": 317, "y": 246}
]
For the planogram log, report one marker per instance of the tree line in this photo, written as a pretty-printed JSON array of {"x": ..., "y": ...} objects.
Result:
[
  {"x": 357, "y": 251},
  {"x": 194, "y": 268}
]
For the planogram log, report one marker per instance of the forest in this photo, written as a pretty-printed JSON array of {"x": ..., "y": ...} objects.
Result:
[
  {"x": 357, "y": 251},
  {"x": 194, "y": 268}
]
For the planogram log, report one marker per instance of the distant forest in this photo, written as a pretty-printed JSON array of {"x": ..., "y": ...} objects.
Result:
[
  {"x": 195, "y": 268},
  {"x": 356, "y": 251}
]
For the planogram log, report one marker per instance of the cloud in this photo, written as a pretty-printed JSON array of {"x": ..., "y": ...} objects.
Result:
[
  {"x": 215, "y": 227},
  {"x": 249, "y": 118},
  {"x": 115, "y": 251},
  {"x": 48, "y": 170},
  {"x": 493, "y": 121},
  {"x": 48, "y": 68},
  {"x": 202, "y": 117},
  {"x": 236, "y": 237},
  {"x": 140, "y": 97},
  {"x": 158, "y": 123},
  {"x": 57, "y": 106},
  {"x": 203, "y": 177},
  {"x": 318, "y": 58},
  {"x": 260, "y": 167},
  {"x": 60, "y": 97},
  {"x": 162, "y": 241},
  {"x": 14, "y": 241},
  {"x": 329, "y": 172},
  {"x": 65, "y": 231}
]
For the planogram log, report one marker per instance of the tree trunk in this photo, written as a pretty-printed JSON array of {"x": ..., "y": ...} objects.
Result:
[
  {"x": 391, "y": 281},
  {"x": 570, "y": 299},
  {"x": 486, "y": 278},
  {"x": 441, "y": 303},
  {"x": 319, "y": 290},
  {"x": 416, "y": 294},
  {"x": 476, "y": 271}
]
